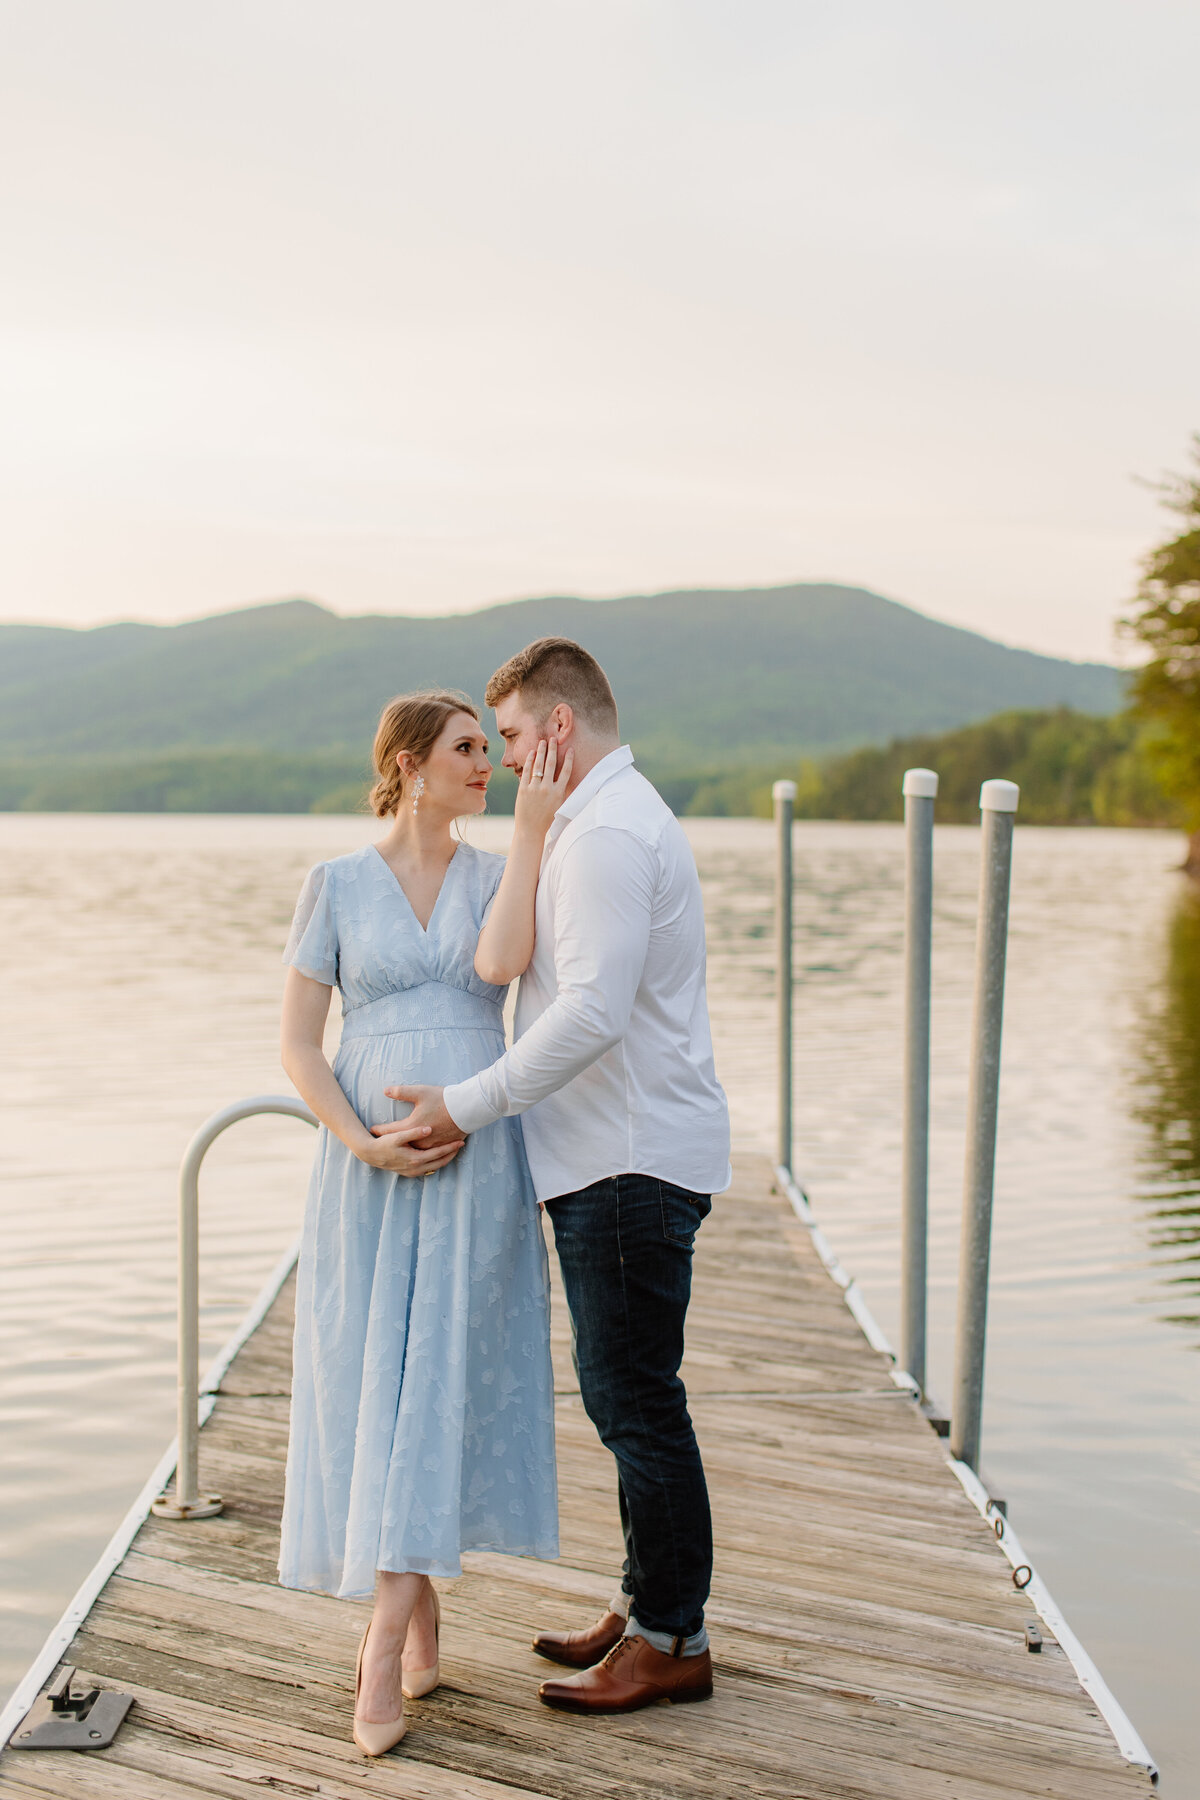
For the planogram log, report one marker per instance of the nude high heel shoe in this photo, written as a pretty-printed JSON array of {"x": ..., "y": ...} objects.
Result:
[
  {"x": 416, "y": 1683},
  {"x": 372, "y": 1739}
]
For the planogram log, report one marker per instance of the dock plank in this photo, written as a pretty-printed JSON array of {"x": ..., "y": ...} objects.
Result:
[{"x": 868, "y": 1641}]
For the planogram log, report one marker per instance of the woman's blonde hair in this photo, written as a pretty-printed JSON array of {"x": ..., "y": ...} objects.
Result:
[{"x": 412, "y": 723}]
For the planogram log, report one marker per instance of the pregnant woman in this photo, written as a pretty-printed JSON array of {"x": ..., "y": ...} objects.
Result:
[{"x": 422, "y": 1403}]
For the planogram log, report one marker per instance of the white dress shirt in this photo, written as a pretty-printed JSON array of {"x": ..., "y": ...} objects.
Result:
[{"x": 613, "y": 1062}]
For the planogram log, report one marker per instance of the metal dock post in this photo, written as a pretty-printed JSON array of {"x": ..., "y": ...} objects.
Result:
[
  {"x": 784, "y": 795},
  {"x": 998, "y": 801},
  {"x": 187, "y": 1502},
  {"x": 920, "y": 790}
]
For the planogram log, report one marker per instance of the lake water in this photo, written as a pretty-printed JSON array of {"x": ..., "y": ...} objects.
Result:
[{"x": 141, "y": 979}]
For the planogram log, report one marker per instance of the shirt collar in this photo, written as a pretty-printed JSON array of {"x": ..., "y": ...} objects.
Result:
[{"x": 590, "y": 786}]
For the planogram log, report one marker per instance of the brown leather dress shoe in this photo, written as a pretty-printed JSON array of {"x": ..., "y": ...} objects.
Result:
[
  {"x": 633, "y": 1674},
  {"x": 581, "y": 1648}
]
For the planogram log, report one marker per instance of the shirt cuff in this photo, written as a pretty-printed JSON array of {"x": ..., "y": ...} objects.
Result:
[{"x": 467, "y": 1107}]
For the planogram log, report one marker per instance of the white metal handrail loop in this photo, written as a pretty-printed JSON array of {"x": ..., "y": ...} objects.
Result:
[{"x": 187, "y": 1502}]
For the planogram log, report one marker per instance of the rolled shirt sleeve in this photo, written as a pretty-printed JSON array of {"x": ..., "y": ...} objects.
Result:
[{"x": 605, "y": 895}]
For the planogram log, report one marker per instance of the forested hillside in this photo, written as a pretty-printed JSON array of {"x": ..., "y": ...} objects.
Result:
[
  {"x": 273, "y": 708},
  {"x": 1072, "y": 769}
]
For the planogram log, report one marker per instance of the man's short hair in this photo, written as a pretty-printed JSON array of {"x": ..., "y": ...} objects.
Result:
[{"x": 557, "y": 671}]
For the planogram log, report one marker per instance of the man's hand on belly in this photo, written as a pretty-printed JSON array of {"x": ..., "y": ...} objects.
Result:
[{"x": 429, "y": 1109}]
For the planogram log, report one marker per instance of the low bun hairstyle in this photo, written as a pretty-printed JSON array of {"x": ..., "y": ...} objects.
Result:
[{"x": 412, "y": 723}]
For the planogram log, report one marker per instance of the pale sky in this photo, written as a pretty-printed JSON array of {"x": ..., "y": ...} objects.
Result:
[{"x": 413, "y": 308}]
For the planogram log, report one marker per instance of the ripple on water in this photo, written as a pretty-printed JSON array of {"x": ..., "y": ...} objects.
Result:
[{"x": 143, "y": 977}]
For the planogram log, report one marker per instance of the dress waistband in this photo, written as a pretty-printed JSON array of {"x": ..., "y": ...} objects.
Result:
[{"x": 433, "y": 1006}]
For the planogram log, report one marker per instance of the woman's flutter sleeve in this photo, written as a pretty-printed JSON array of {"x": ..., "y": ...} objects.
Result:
[{"x": 312, "y": 945}]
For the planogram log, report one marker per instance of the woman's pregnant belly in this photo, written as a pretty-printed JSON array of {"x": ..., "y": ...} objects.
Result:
[{"x": 366, "y": 1065}]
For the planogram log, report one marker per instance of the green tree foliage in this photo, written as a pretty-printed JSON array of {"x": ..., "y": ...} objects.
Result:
[
  {"x": 1073, "y": 769},
  {"x": 1167, "y": 1077},
  {"x": 1064, "y": 763},
  {"x": 203, "y": 781},
  {"x": 1166, "y": 689}
]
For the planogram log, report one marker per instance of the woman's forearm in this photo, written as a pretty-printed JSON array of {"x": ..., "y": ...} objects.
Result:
[
  {"x": 506, "y": 941},
  {"x": 310, "y": 1074}
]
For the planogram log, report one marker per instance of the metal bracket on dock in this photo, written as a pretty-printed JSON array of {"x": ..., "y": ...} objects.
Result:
[
  {"x": 207, "y": 1506},
  {"x": 933, "y": 1416},
  {"x": 61, "y": 1720}
]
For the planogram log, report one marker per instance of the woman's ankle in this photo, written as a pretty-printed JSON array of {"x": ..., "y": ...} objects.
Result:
[
  {"x": 385, "y": 1638},
  {"x": 397, "y": 1598}
]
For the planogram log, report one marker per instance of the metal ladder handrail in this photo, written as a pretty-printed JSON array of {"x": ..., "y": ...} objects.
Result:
[{"x": 187, "y": 1502}]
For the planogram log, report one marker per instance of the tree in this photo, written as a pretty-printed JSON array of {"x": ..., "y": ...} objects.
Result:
[{"x": 1166, "y": 689}]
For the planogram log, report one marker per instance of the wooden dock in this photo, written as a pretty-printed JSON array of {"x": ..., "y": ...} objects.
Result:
[{"x": 867, "y": 1636}]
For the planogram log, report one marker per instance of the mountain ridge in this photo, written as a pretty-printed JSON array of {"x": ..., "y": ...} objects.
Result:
[{"x": 816, "y": 668}]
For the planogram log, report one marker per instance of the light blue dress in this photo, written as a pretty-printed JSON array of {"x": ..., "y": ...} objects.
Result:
[{"x": 422, "y": 1399}]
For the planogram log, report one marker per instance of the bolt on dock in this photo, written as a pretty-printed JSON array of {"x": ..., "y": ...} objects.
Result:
[{"x": 868, "y": 1640}]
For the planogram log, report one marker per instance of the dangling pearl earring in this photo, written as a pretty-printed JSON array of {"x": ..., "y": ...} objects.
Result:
[{"x": 418, "y": 790}]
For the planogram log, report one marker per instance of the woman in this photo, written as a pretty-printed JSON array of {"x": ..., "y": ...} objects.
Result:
[{"x": 422, "y": 1403}]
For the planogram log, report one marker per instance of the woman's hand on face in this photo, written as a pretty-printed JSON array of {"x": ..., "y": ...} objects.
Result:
[
  {"x": 543, "y": 788},
  {"x": 400, "y": 1152}
]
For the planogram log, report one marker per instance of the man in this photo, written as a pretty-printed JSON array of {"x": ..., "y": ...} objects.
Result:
[{"x": 627, "y": 1132}]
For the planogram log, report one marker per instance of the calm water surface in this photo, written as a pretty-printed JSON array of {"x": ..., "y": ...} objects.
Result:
[{"x": 142, "y": 981}]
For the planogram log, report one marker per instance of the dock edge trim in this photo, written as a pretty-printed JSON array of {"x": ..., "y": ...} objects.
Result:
[
  {"x": 1035, "y": 1590},
  {"x": 1127, "y": 1740},
  {"x": 90, "y": 1589}
]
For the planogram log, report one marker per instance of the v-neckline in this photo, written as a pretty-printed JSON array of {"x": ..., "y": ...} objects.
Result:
[{"x": 423, "y": 929}]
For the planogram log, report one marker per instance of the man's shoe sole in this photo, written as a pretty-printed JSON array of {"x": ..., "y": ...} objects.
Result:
[{"x": 581, "y": 1706}]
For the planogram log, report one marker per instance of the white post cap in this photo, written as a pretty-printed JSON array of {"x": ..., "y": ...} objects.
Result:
[
  {"x": 920, "y": 783},
  {"x": 999, "y": 796},
  {"x": 784, "y": 790}
]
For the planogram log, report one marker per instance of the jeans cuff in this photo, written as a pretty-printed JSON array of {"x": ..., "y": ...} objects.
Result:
[
  {"x": 695, "y": 1645},
  {"x": 621, "y": 1603}
]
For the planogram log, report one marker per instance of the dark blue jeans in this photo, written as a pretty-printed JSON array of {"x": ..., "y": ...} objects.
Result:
[{"x": 625, "y": 1247}]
